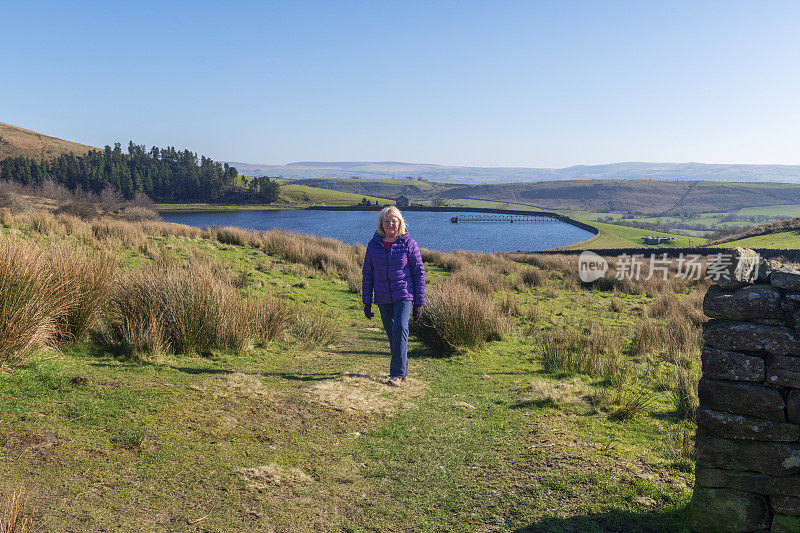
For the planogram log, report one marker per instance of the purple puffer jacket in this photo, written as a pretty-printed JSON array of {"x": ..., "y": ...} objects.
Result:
[{"x": 395, "y": 274}]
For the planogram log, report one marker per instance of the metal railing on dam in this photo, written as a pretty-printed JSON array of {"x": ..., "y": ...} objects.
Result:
[{"x": 501, "y": 218}]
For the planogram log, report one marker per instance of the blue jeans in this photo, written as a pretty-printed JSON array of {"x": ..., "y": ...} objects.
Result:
[{"x": 395, "y": 321}]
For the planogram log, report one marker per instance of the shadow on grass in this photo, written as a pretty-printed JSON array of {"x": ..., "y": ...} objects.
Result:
[
  {"x": 674, "y": 519},
  {"x": 293, "y": 376}
]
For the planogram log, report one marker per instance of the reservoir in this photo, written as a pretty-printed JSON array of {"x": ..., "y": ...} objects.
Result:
[{"x": 431, "y": 230}]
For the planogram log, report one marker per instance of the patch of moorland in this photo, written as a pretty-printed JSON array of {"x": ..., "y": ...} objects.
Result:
[
  {"x": 16, "y": 141},
  {"x": 535, "y": 401}
]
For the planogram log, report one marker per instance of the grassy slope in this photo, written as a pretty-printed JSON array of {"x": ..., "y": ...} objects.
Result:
[
  {"x": 155, "y": 445},
  {"x": 614, "y": 236},
  {"x": 292, "y": 196},
  {"x": 784, "y": 239},
  {"x": 16, "y": 141}
]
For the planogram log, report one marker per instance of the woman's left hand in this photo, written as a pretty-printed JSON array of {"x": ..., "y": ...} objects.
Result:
[{"x": 417, "y": 312}]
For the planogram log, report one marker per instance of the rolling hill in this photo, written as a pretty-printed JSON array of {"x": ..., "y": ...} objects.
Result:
[
  {"x": 462, "y": 174},
  {"x": 642, "y": 196},
  {"x": 16, "y": 141}
]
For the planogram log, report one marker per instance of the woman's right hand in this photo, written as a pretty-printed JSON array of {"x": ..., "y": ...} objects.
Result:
[{"x": 368, "y": 311}]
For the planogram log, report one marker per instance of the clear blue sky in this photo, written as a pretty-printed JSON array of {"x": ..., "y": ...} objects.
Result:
[{"x": 543, "y": 84}]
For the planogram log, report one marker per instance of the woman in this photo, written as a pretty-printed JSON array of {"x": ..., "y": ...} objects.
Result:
[{"x": 393, "y": 268}]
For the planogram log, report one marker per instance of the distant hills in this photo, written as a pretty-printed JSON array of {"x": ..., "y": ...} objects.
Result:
[
  {"x": 456, "y": 174},
  {"x": 674, "y": 198},
  {"x": 16, "y": 141}
]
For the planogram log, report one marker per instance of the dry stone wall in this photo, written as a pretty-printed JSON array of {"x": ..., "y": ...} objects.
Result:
[{"x": 747, "y": 476}]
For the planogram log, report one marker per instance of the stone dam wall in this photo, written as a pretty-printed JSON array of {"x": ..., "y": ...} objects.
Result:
[{"x": 747, "y": 476}]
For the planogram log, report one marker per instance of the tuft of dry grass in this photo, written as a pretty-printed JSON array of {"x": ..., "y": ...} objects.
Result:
[
  {"x": 315, "y": 328},
  {"x": 456, "y": 316},
  {"x": 87, "y": 282},
  {"x": 192, "y": 310},
  {"x": 566, "y": 395},
  {"x": 683, "y": 389},
  {"x": 32, "y": 299},
  {"x": 15, "y": 516},
  {"x": 592, "y": 349}
]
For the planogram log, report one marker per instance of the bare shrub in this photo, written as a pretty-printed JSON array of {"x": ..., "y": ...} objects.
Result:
[
  {"x": 13, "y": 201},
  {"x": 15, "y": 515},
  {"x": 110, "y": 198},
  {"x": 83, "y": 210},
  {"x": 456, "y": 317},
  {"x": 135, "y": 213}
]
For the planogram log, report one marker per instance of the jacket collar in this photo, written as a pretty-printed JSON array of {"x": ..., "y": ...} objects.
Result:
[{"x": 377, "y": 238}]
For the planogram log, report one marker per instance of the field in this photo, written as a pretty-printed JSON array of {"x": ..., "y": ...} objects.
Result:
[
  {"x": 784, "y": 239},
  {"x": 576, "y": 417},
  {"x": 291, "y": 197},
  {"x": 614, "y": 236}
]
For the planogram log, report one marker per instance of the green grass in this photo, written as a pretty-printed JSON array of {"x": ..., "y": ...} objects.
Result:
[
  {"x": 304, "y": 195},
  {"x": 784, "y": 239},
  {"x": 615, "y": 236},
  {"x": 158, "y": 444},
  {"x": 292, "y": 196}
]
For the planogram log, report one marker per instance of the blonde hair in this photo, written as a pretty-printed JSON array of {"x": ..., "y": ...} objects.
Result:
[{"x": 387, "y": 212}]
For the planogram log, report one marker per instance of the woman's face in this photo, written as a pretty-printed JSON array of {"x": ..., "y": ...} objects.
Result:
[{"x": 391, "y": 224}]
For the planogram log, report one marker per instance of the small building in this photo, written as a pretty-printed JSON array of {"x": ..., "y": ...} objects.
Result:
[
  {"x": 653, "y": 240},
  {"x": 402, "y": 201}
]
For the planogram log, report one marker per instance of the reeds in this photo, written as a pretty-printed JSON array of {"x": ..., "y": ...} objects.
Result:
[
  {"x": 456, "y": 317},
  {"x": 592, "y": 349},
  {"x": 33, "y": 298},
  {"x": 167, "y": 308},
  {"x": 15, "y": 516}
]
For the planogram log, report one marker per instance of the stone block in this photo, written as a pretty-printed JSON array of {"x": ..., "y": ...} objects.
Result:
[
  {"x": 785, "y": 505},
  {"x": 728, "y": 510},
  {"x": 748, "y": 481},
  {"x": 774, "y": 458},
  {"x": 753, "y": 301},
  {"x": 732, "y": 426},
  {"x": 785, "y": 278},
  {"x": 783, "y": 371},
  {"x": 742, "y": 398},
  {"x": 734, "y": 268},
  {"x": 793, "y": 406},
  {"x": 739, "y": 336},
  {"x": 782, "y": 523},
  {"x": 721, "y": 364}
]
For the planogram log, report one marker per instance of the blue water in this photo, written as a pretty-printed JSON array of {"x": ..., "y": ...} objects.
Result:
[{"x": 430, "y": 230}]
